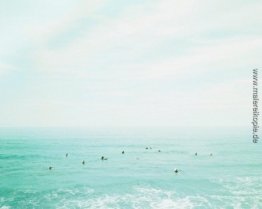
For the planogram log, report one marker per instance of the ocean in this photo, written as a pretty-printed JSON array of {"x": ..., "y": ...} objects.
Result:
[{"x": 225, "y": 173}]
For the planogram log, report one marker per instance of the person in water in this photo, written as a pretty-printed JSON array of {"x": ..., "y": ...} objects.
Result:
[
  {"x": 50, "y": 168},
  {"x": 66, "y": 154},
  {"x": 103, "y": 158},
  {"x": 211, "y": 154},
  {"x": 83, "y": 162},
  {"x": 176, "y": 170},
  {"x": 196, "y": 154},
  {"x": 159, "y": 150},
  {"x": 123, "y": 152}
]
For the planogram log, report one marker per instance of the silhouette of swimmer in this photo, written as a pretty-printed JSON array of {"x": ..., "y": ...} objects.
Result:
[
  {"x": 150, "y": 147},
  {"x": 123, "y": 152},
  {"x": 83, "y": 162},
  {"x": 146, "y": 147},
  {"x": 50, "y": 168},
  {"x": 159, "y": 150},
  {"x": 176, "y": 171},
  {"x": 196, "y": 154},
  {"x": 211, "y": 154},
  {"x": 103, "y": 158},
  {"x": 66, "y": 154}
]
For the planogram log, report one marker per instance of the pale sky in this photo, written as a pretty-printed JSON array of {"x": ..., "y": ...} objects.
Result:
[{"x": 128, "y": 62}]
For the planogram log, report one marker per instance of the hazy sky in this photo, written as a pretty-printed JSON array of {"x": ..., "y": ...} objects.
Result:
[{"x": 128, "y": 62}]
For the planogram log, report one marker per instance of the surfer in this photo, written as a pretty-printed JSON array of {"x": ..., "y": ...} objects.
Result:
[{"x": 103, "y": 158}]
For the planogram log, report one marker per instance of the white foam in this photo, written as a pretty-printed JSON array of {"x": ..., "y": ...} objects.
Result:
[
  {"x": 150, "y": 198},
  {"x": 140, "y": 198},
  {"x": 242, "y": 192},
  {"x": 5, "y": 207}
]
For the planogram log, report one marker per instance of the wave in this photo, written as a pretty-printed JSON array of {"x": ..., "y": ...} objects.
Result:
[
  {"x": 140, "y": 198},
  {"x": 5, "y": 207},
  {"x": 152, "y": 198},
  {"x": 136, "y": 198}
]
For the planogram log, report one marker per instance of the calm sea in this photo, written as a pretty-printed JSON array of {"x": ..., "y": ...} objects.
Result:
[{"x": 140, "y": 178}]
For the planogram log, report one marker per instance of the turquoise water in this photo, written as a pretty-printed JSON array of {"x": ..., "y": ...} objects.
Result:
[{"x": 140, "y": 179}]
